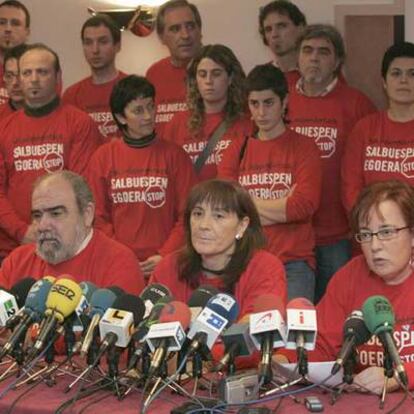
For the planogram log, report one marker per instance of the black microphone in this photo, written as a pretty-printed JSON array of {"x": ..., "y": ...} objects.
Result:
[
  {"x": 355, "y": 333},
  {"x": 21, "y": 289}
]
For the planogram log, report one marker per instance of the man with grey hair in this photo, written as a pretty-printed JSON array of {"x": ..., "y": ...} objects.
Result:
[
  {"x": 179, "y": 28},
  {"x": 63, "y": 211},
  {"x": 324, "y": 108}
]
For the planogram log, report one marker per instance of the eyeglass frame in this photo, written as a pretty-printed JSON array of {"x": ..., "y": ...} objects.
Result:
[{"x": 395, "y": 231}]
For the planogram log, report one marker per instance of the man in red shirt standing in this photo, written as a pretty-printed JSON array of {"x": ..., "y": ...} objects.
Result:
[
  {"x": 101, "y": 41},
  {"x": 14, "y": 31},
  {"x": 179, "y": 28}
]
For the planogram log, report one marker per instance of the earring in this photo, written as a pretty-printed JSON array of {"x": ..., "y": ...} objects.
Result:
[{"x": 238, "y": 236}]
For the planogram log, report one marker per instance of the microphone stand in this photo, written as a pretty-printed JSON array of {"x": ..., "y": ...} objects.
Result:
[
  {"x": 348, "y": 376},
  {"x": 388, "y": 373},
  {"x": 231, "y": 365}
]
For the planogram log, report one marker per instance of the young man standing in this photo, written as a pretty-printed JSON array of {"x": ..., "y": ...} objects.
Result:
[{"x": 101, "y": 40}]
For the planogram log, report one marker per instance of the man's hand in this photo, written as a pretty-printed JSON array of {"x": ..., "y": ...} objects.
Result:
[
  {"x": 148, "y": 265},
  {"x": 372, "y": 379}
]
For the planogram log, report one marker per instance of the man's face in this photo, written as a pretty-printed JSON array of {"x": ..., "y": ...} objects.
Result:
[
  {"x": 60, "y": 227},
  {"x": 317, "y": 61},
  {"x": 11, "y": 81},
  {"x": 281, "y": 33},
  {"x": 181, "y": 35},
  {"x": 99, "y": 48},
  {"x": 13, "y": 30},
  {"x": 38, "y": 78}
]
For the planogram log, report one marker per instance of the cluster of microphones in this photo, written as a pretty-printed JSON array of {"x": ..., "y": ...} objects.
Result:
[{"x": 153, "y": 327}]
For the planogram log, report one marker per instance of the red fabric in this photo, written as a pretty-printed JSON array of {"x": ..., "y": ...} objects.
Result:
[
  {"x": 94, "y": 99},
  {"x": 269, "y": 170},
  {"x": 65, "y": 138},
  {"x": 5, "y": 110},
  {"x": 125, "y": 210},
  {"x": 104, "y": 262},
  {"x": 170, "y": 91},
  {"x": 347, "y": 291},
  {"x": 177, "y": 131},
  {"x": 378, "y": 149},
  {"x": 328, "y": 120},
  {"x": 264, "y": 274}
]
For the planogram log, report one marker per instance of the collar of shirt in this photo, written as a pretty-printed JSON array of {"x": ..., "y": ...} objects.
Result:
[
  {"x": 85, "y": 242},
  {"x": 324, "y": 92}
]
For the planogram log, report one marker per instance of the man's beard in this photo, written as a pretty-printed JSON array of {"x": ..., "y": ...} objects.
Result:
[{"x": 51, "y": 250}]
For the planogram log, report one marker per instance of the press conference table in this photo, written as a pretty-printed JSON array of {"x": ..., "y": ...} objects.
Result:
[{"x": 45, "y": 400}]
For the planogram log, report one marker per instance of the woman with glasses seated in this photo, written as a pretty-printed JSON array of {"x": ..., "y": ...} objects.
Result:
[{"x": 383, "y": 223}]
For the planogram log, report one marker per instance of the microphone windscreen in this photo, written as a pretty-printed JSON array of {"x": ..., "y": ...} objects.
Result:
[
  {"x": 21, "y": 289},
  {"x": 201, "y": 296},
  {"x": 117, "y": 290},
  {"x": 225, "y": 305},
  {"x": 131, "y": 303},
  {"x": 378, "y": 314},
  {"x": 300, "y": 303},
  {"x": 88, "y": 288},
  {"x": 36, "y": 298},
  {"x": 267, "y": 302},
  {"x": 50, "y": 278},
  {"x": 101, "y": 300},
  {"x": 63, "y": 298},
  {"x": 355, "y": 326},
  {"x": 154, "y": 293},
  {"x": 176, "y": 311}
]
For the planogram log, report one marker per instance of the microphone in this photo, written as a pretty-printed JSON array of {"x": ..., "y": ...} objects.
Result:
[
  {"x": 8, "y": 307},
  {"x": 237, "y": 342},
  {"x": 199, "y": 299},
  {"x": 101, "y": 300},
  {"x": 167, "y": 335},
  {"x": 379, "y": 318},
  {"x": 21, "y": 289},
  {"x": 34, "y": 308},
  {"x": 152, "y": 294},
  {"x": 117, "y": 290},
  {"x": 301, "y": 330},
  {"x": 268, "y": 331},
  {"x": 220, "y": 311},
  {"x": 61, "y": 301},
  {"x": 118, "y": 322},
  {"x": 355, "y": 333}
]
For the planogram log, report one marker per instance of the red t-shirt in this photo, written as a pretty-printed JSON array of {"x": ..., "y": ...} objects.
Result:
[
  {"x": 94, "y": 99},
  {"x": 328, "y": 120},
  {"x": 177, "y": 131},
  {"x": 104, "y": 262},
  {"x": 140, "y": 194},
  {"x": 378, "y": 149},
  {"x": 170, "y": 91},
  {"x": 269, "y": 170}
]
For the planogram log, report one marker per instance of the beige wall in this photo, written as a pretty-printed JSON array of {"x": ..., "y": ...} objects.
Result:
[{"x": 232, "y": 22}]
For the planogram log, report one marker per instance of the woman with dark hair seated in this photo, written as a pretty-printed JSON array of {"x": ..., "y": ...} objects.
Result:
[{"x": 223, "y": 248}]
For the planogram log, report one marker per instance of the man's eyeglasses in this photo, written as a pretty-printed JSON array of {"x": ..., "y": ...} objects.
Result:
[{"x": 387, "y": 233}]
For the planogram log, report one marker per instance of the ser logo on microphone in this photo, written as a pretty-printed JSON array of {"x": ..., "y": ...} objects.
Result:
[{"x": 64, "y": 291}]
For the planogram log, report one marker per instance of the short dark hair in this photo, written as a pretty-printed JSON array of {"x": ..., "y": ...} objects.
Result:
[
  {"x": 16, "y": 4},
  {"x": 175, "y": 4},
  {"x": 372, "y": 195},
  {"x": 81, "y": 189},
  {"x": 14, "y": 53},
  {"x": 125, "y": 91},
  {"x": 101, "y": 19},
  {"x": 283, "y": 7},
  {"x": 267, "y": 76},
  {"x": 232, "y": 197},
  {"x": 402, "y": 49},
  {"x": 42, "y": 46}
]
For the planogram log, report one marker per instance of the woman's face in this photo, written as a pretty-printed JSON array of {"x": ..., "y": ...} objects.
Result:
[
  {"x": 389, "y": 259},
  {"x": 138, "y": 117},
  {"x": 214, "y": 230},
  {"x": 212, "y": 82},
  {"x": 399, "y": 81}
]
